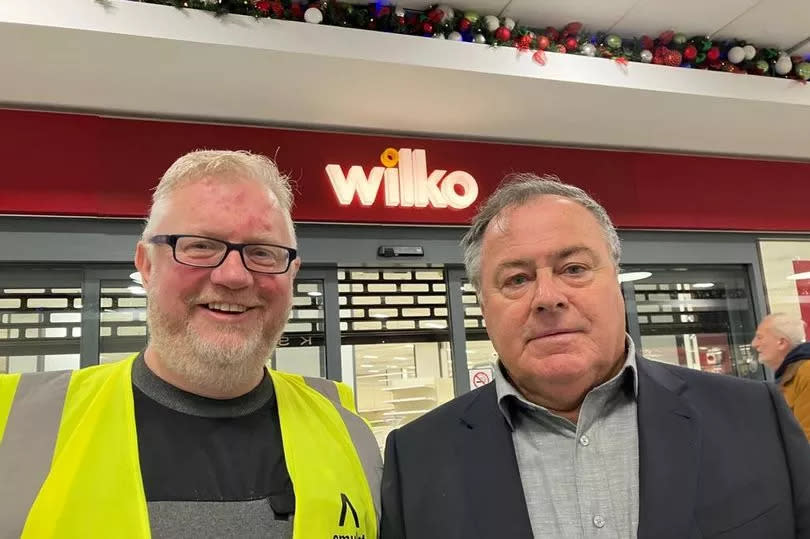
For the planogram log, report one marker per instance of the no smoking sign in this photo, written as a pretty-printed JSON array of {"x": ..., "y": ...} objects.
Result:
[{"x": 480, "y": 377}]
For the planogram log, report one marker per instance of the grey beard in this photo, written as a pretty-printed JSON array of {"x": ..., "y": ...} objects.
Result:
[{"x": 205, "y": 363}]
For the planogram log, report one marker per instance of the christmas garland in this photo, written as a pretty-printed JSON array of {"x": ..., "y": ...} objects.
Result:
[{"x": 444, "y": 22}]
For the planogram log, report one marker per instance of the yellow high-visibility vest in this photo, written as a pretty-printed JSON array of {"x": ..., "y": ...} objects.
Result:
[{"x": 88, "y": 483}]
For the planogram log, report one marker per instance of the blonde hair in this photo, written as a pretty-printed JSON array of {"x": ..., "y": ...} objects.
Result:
[{"x": 227, "y": 165}]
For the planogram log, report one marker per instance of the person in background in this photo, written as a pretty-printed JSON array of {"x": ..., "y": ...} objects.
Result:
[
  {"x": 194, "y": 437},
  {"x": 578, "y": 435},
  {"x": 780, "y": 345}
]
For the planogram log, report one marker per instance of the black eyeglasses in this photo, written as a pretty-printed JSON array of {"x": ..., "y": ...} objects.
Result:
[{"x": 203, "y": 252}]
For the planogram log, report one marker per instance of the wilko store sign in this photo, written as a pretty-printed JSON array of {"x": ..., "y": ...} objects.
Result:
[
  {"x": 405, "y": 181},
  {"x": 426, "y": 182}
]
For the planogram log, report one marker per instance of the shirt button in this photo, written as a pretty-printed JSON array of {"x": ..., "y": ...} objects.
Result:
[
  {"x": 584, "y": 440},
  {"x": 599, "y": 521}
]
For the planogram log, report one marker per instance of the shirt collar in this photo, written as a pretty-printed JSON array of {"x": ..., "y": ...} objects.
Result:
[{"x": 506, "y": 391}]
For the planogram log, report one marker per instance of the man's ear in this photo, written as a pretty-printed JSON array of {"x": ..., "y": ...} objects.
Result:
[
  {"x": 143, "y": 263},
  {"x": 295, "y": 265}
]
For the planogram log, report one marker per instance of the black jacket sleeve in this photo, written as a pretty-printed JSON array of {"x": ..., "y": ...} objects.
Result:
[{"x": 392, "y": 524}]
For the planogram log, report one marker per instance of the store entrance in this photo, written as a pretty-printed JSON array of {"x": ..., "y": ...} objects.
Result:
[
  {"x": 395, "y": 337},
  {"x": 695, "y": 316}
]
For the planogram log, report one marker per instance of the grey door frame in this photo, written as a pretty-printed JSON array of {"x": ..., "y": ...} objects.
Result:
[{"x": 454, "y": 279}]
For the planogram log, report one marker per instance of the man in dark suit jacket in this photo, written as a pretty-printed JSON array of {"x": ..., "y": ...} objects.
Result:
[{"x": 578, "y": 436}]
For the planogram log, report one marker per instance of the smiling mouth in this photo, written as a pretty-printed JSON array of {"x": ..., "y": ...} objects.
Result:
[{"x": 226, "y": 308}]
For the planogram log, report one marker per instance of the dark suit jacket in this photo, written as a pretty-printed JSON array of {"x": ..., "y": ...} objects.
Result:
[{"x": 718, "y": 457}]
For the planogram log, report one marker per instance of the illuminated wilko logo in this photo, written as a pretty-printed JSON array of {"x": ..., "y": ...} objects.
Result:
[{"x": 407, "y": 183}]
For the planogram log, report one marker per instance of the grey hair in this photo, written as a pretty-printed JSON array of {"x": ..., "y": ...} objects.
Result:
[
  {"x": 227, "y": 165},
  {"x": 518, "y": 189},
  {"x": 790, "y": 327}
]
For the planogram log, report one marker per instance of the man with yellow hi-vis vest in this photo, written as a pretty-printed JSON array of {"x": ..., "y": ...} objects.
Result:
[{"x": 193, "y": 437}]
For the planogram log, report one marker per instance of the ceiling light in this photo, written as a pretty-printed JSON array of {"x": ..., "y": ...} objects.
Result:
[
  {"x": 634, "y": 276},
  {"x": 315, "y": 294},
  {"x": 799, "y": 276},
  {"x": 369, "y": 357},
  {"x": 366, "y": 365},
  {"x": 379, "y": 315},
  {"x": 402, "y": 358},
  {"x": 135, "y": 276},
  {"x": 137, "y": 290},
  {"x": 703, "y": 285}
]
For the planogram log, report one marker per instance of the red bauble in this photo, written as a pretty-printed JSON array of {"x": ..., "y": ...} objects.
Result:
[
  {"x": 297, "y": 11},
  {"x": 384, "y": 11},
  {"x": 573, "y": 28},
  {"x": 427, "y": 27},
  {"x": 539, "y": 57},
  {"x": 542, "y": 42},
  {"x": 647, "y": 43},
  {"x": 503, "y": 34},
  {"x": 571, "y": 43},
  {"x": 690, "y": 53},
  {"x": 657, "y": 60},
  {"x": 672, "y": 58},
  {"x": 552, "y": 33},
  {"x": 524, "y": 42},
  {"x": 278, "y": 9},
  {"x": 713, "y": 54},
  {"x": 464, "y": 25},
  {"x": 435, "y": 15},
  {"x": 666, "y": 37},
  {"x": 263, "y": 6},
  {"x": 400, "y": 20}
]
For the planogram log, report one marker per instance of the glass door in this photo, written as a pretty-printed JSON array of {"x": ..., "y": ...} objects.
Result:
[
  {"x": 395, "y": 338},
  {"x": 121, "y": 315},
  {"x": 40, "y": 319},
  {"x": 302, "y": 347},
  {"x": 696, "y": 316}
]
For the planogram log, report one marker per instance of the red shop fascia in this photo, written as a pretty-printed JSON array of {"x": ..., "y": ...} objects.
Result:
[{"x": 83, "y": 165}]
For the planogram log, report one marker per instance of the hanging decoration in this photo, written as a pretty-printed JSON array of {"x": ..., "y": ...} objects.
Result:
[{"x": 444, "y": 22}]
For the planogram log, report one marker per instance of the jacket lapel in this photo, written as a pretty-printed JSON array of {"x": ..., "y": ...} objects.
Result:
[
  {"x": 669, "y": 454},
  {"x": 496, "y": 506}
]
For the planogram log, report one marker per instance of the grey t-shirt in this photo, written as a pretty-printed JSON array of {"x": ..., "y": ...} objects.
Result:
[{"x": 211, "y": 468}]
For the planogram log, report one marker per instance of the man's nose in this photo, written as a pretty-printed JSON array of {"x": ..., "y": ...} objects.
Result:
[
  {"x": 548, "y": 295},
  {"x": 232, "y": 273}
]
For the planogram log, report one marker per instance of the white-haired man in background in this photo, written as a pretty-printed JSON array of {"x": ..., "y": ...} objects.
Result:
[{"x": 780, "y": 345}]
